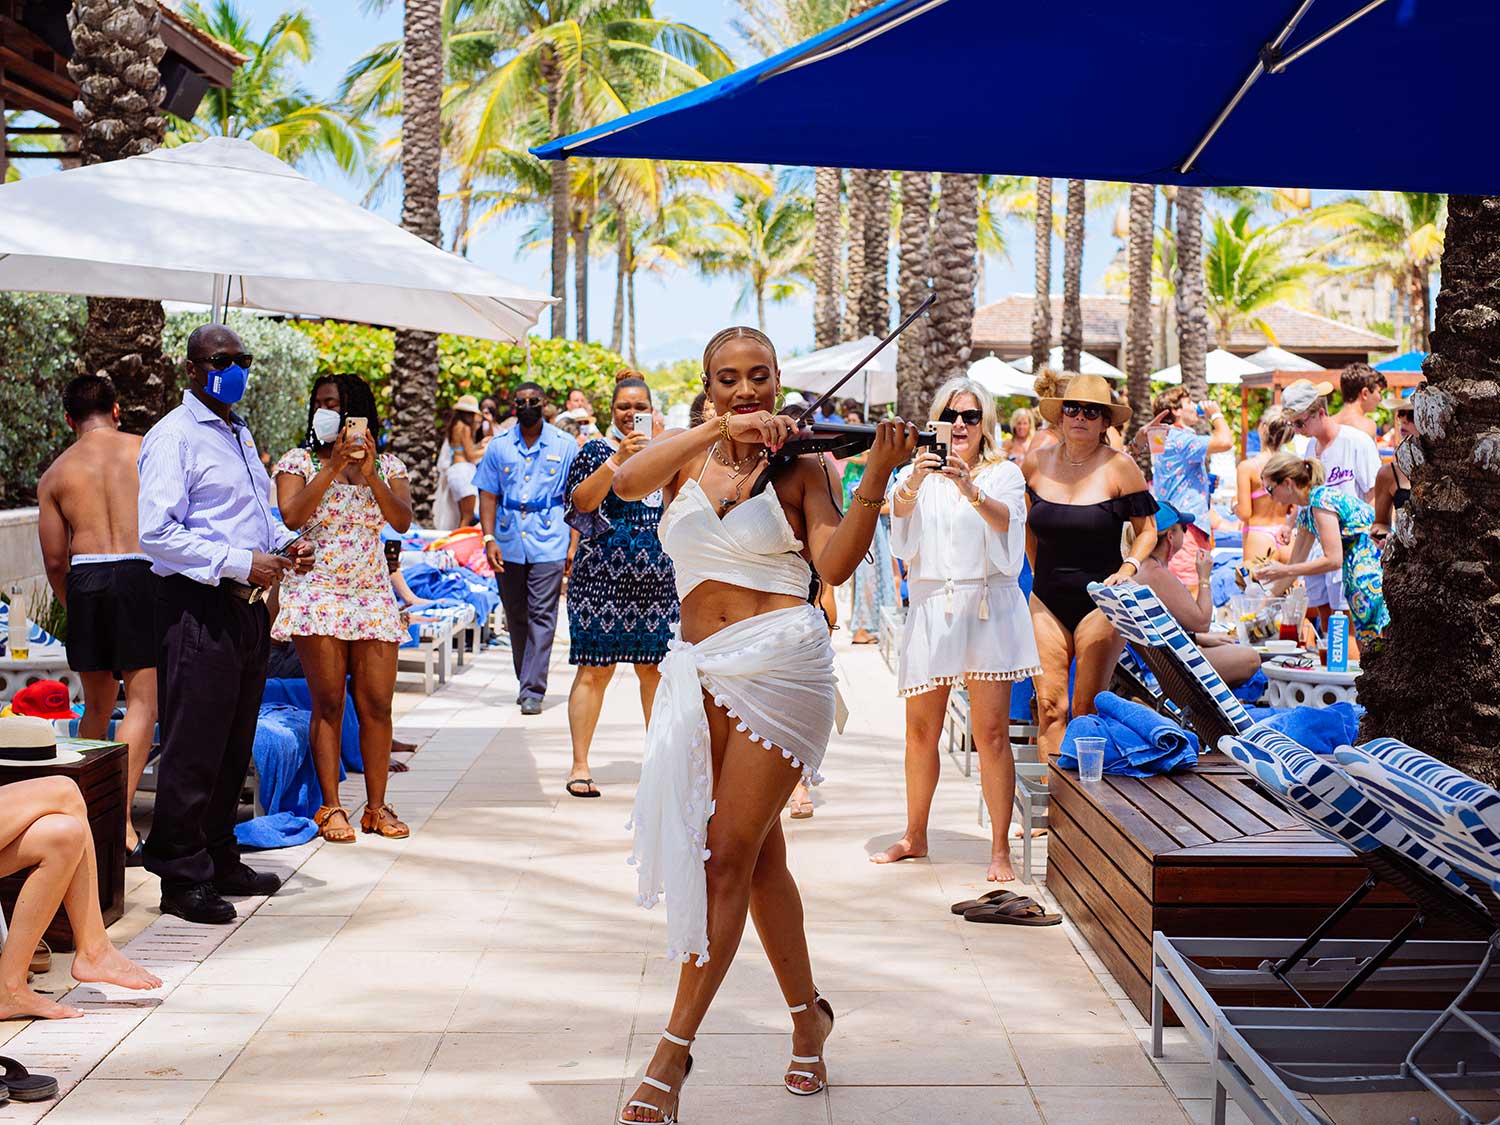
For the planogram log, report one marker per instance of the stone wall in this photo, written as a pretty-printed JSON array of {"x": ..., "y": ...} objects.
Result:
[{"x": 20, "y": 552}]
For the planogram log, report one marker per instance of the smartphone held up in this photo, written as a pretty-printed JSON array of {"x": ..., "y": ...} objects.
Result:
[{"x": 355, "y": 429}]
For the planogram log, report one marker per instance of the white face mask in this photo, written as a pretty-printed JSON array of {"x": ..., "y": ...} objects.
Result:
[{"x": 326, "y": 424}]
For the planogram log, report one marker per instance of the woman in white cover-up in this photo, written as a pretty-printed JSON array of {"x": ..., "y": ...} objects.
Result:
[{"x": 747, "y": 698}]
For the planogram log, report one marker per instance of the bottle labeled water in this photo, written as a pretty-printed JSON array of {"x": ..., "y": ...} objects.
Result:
[{"x": 20, "y": 627}]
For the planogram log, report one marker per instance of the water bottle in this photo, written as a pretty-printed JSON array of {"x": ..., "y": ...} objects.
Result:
[{"x": 20, "y": 627}]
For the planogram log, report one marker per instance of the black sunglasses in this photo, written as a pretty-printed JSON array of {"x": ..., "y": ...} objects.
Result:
[
  {"x": 1092, "y": 411},
  {"x": 529, "y": 402},
  {"x": 970, "y": 417},
  {"x": 220, "y": 360}
]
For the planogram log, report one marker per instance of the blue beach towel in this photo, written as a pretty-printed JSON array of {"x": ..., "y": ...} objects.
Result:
[
  {"x": 283, "y": 759},
  {"x": 275, "y": 830},
  {"x": 1138, "y": 741},
  {"x": 1320, "y": 729},
  {"x": 296, "y": 693}
]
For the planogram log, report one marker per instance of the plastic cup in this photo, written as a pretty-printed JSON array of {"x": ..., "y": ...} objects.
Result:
[
  {"x": 1090, "y": 759},
  {"x": 1156, "y": 439}
]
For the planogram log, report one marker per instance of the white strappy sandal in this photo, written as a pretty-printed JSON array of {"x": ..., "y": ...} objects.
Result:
[
  {"x": 806, "y": 1059},
  {"x": 646, "y": 1079}
]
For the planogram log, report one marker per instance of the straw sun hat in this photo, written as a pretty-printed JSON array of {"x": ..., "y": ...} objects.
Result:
[
  {"x": 467, "y": 403},
  {"x": 1084, "y": 388},
  {"x": 26, "y": 741}
]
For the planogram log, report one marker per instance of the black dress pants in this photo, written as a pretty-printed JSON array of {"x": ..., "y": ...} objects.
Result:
[
  {"x": 529, "y": 592},
  {"x": 212, "y": 649}
]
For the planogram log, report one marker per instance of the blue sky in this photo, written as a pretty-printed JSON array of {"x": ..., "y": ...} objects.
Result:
[{"x": 678, "y": 313}]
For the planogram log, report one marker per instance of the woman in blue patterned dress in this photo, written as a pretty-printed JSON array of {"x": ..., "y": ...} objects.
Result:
[
  {"x": 1341, "y": 523},
  {"x": 622, "y": 599}
]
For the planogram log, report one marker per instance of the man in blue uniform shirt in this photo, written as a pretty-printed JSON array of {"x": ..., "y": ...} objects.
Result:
[{"x": 520, "y": 482}]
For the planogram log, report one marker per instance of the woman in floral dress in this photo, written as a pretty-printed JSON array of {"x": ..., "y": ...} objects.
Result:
[
  {"x": 342, "y": 616},
  {"x": 1341, "y": 523},
  {"x": 622, "y": 599}
]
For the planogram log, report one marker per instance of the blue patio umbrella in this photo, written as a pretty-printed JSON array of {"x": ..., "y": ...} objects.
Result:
[
  {"x": 1169, "y": 92},
  {"x": 1409, "y": 362}
]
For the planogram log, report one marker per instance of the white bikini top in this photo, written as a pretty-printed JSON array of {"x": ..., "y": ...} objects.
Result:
[{"x": 752, "y": 546}]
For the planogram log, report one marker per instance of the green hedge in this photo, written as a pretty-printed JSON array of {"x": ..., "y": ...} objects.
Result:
[
  {"x": 467, "y": 365},
  {"x": 39, "y": 333}
]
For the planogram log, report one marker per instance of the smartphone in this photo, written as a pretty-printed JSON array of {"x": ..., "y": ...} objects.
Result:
[
  {"x": 285, "y": 550},
  {"x": 356, "y": 428},
  {"x": 643, "y": 424},
  {"x": 944, "y": 431}
]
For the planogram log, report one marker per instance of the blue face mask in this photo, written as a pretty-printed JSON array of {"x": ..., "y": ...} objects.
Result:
[{"x": 227, "y": 385}]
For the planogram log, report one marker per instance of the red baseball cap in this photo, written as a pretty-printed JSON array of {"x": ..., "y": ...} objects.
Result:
[{"x": 45, "y": 699}]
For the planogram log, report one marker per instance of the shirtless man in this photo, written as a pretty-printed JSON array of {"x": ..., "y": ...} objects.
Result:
[
  {"x": 1363, "y": 389},
  {"x": 88, "y": 533}
]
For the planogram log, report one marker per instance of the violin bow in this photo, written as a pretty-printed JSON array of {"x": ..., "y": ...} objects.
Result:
[{"x": 827, "y": 395}]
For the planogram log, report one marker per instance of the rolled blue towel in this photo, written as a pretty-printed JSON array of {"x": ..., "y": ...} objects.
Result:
[
  {"x": 1252, "y": 689},
  {"x": 1154, "y": 741},
  {"x": 275, "y": 830},
  {"x": 1085, "y": 726},
  {"x": 296, "y": 693},
  {"x": 1115, "y": 760}
]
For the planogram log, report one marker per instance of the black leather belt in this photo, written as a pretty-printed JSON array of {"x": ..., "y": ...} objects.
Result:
[{"x": 251, "y": 594}]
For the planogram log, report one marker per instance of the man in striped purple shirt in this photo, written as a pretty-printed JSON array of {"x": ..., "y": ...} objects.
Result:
[{"x": 207, "y": 524}]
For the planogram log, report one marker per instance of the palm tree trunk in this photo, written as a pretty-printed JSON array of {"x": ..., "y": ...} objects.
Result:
[
  {"x": 414, "y": 367},
  {"x": 622, "y": 256},
  {"x": 1424, "y": 302},
  {"x": 760, "y": 307},
  {"x": 1400, "y": 326},
  {"x": 116, "y": 49},
  {"x": 1041, "y": 306},
  {"x": 915, "y": 265},
  {"x": 1166, "y": 320},
  {"x": 955, "y": 247},
  {"x": 827, "y": 185},
  {"x": 561, "y": 205},
  {"x": 1433, "y": 679},
  {"x": 465, "y": 210},
  {"x": 582, "y": 231},
  {"x": 630, "y": 304},
  {"x": 1138, "y": 317},
  {"x": 1072, "y": 310},
  {"x": 854, "y": 262},
  {"x": 1192, "y": 310},
  {"x": 875, "y": 301}
]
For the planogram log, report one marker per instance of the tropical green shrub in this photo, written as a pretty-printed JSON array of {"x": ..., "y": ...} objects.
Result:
[
  {"x": 467, "y": 365},
  {"x": 275, "y": 402},
  {"x": 39, "y": 333}
]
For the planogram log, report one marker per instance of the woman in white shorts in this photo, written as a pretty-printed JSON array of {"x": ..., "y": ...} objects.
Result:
[{"x": 960, "y": 527}]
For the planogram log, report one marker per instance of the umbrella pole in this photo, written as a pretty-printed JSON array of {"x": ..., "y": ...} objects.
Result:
[{"x": 215, "y": 304}]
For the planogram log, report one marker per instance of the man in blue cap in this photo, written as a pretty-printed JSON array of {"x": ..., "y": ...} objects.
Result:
[{"x": 521, "y": 501}]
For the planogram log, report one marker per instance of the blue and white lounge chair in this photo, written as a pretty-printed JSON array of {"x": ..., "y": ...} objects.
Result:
[{"x": 1184, "y": 673}]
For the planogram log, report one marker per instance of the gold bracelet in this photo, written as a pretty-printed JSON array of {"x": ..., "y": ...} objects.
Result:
[
  {"x": 868, "y": 503},
  {"x": 724, "y": 427},
  {"x": 978, "y": 501},
  {"x": 905, "y": 495}
]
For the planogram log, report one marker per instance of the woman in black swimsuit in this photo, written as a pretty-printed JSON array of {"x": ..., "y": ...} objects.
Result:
[
  {"x": 1081, "y": 493},
  {"x": 1392, "y": 486}
]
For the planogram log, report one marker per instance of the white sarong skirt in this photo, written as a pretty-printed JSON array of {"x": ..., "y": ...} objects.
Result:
[{"x": 951, "y": 638}]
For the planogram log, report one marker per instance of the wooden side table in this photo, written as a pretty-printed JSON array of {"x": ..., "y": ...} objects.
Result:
[{"x": 101, "y": 778}]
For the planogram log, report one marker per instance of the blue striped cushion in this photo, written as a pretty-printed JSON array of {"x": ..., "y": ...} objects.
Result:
[
  {"x": 1156, "y": 619},
  {"x": 1329, "y": 801},
  {"x": 1111, "y": 602},
  {"x": 1397, "y": 778}
]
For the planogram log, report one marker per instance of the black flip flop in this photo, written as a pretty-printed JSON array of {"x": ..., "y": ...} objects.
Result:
[
  {"x": 23, "y": 1085},
  {"x": 1017, "y": 912},
  {"x": 994, "y": 898},
  {"x": 590, "y": 789}
]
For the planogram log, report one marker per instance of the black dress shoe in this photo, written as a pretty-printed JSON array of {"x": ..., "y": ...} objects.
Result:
[
  {"x": 532, "y": 706},
  {"x": 199, "y": 902},
  {"x": 245, "y": 880},
  {"x": 136, "y": 856}
]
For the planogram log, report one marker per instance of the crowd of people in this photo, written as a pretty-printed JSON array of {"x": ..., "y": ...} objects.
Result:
[{"x": 703, "y": 557}]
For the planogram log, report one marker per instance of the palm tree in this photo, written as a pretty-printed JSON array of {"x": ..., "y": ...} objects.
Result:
[
  {"x": 1398, "y": 235},
  {"x": 264, "y": 104},
  {"x": 1432, "y": 679},
  {"x": 954, "y": 249},
  {"x": 915, "y": 265},
  {"x": 1138, "y": 317},
  {"x": 116, "y": 48},
  {"x": 414, "y": 366},
  {"x": 770, "y": 27},
  {"x": 1247, "y": 269},
  {"x": 873, "y": 305},
  {"x": 1072, "y": 310},
  {"x": 1041, "y": 306},
  {"x": 1192, "y": 312},
  {"x": 766, "y": 238}
]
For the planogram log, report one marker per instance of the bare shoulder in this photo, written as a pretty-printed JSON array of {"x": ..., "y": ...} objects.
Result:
[
  {"x": 1035, "y": 461},
  {"x": 1124, "y": 472}
]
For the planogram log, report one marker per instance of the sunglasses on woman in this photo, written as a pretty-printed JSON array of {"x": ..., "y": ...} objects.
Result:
[
  {"x": 1092, "y": 411},
  {"x": 970, "y": 417}
]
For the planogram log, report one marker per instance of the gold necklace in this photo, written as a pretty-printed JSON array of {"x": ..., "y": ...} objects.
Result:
[
  {"x": 1069, "y": 460},
  {"x": 737, "y": 468}
]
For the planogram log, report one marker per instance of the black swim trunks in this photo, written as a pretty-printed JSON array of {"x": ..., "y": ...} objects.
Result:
[{"x": 111, "y": 613}]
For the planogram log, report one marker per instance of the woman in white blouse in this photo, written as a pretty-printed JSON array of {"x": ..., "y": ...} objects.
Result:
[{"x": 960, "y": 526}]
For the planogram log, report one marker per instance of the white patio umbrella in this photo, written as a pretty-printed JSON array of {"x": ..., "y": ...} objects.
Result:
[
  {"x": 221, "y": 222},
  {"x": 816, "y": 372},
  {"x": 1279, "y": 359},
  {"x": 1000, "y": 378},
  {"x": 1088, "y": 364},
  {"x": 1224, "y": 369}
]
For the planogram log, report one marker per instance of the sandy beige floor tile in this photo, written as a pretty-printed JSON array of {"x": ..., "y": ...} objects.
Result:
[
  {"x": 326, "y": 1103},
  {"x": 1088, "y": 1105},
  {"x": 562, "y": 1057},
  {"x": 1084, "y": 1060},
  {"x": 951, "y": 1105},
  {"x": 173, "y": 1045},
  {"x": 102, "y": 1101},
  {"x": 374, "y": 1056},
  {"x": 531, "y": 1103},
  {"x": 246, "y": 999}
]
